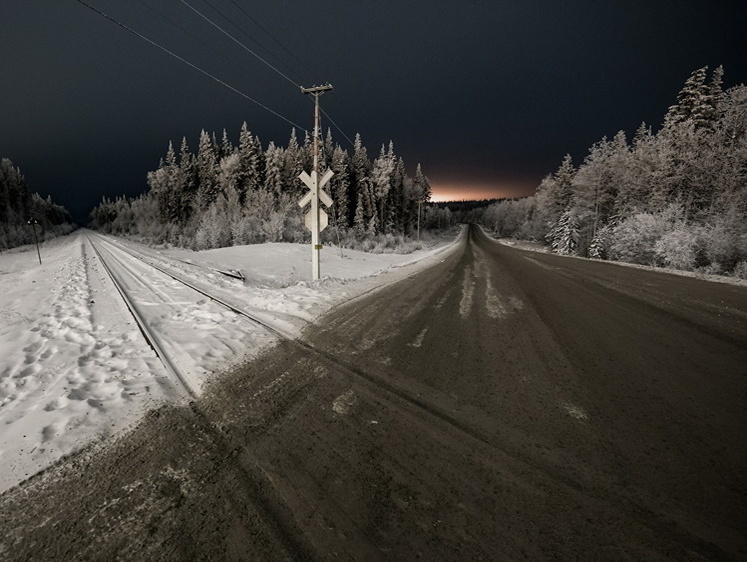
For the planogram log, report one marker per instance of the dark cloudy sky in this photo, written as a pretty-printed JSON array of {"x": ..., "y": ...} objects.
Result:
[{"x": 487, "y": 95}]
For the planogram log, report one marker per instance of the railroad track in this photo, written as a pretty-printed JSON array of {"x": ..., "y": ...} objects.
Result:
[
  {"x": 388, "y": 386},
  {"x": 114, "y": 259},
  {"x": 253, "y": 480},
  {"x": 427, "y": 400},
  {"x": 259, "y": 484}
]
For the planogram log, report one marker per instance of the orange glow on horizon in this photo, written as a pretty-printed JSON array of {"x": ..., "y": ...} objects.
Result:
[{"x": 448, "y": 191}]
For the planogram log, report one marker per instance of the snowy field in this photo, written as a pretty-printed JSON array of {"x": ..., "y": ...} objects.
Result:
[{"x": 74, "y": 366}]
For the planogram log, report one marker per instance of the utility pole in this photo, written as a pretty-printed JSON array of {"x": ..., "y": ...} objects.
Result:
[
  {"x": 316, "y": 219},
  {"x": 33, "y": 223}
]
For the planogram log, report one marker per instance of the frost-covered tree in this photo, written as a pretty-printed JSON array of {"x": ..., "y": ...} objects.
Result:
[
  {"x": 293, "y": 166},
  {"x": 18, "y": 205},
  {"x": 274, "y": 162},
  {"x": 381, "y": 177},
  {"x": 326, "y": 151},
  {"x": 359, "y": 221},
  {"x": 206, "y": 165},
  {"x": 188, "y": 181},
  {"x": 422, "y": 193},
  {"x": 251, "y": 162},
  {"x": 564, "y": 237},
  {"x": 691, "y": 99},
  {"x": 236, "y": 195},
  {"x": 166, "y": 188},
  {"x": 675, "y": 197},
  {"x": 340, "y": 187},
  {"x": 226, "y": 146},
  {"x": 398, "y": 205},
  {"x": 564, "y": 183},
  {"x": 423, "y": 190}
]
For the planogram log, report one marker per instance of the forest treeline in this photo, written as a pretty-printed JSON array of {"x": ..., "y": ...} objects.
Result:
[
  {"x": 226, "y": 194},
  {"x": 18, "y": 205},
  {"x": 675, "y": 198}
]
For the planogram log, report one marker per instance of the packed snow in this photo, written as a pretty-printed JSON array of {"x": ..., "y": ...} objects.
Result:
[{"x": 74, "y": 366}]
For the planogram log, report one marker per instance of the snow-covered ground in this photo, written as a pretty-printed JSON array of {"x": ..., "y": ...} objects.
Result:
[{"x": 74, "y": 366}]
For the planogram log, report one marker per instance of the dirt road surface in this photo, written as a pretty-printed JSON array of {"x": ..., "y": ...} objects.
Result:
[{"x": 501, "y": 404}]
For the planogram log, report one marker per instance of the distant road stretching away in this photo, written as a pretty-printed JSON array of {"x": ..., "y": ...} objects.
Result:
[{"x": 501, "y": 404}]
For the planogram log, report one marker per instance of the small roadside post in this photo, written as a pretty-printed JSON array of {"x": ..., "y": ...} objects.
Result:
[
  {"x": 33, "y": 224},
  {"x": 316, "y": 219}
]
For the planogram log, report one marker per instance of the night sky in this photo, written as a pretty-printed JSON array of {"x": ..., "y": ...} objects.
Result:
[{"x": 488, "y": 95}]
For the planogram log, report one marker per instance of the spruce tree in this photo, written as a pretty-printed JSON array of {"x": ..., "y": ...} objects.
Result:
[
  {"x": 188, "y": 172},
  {"x": 564, "y": 237},
  {"x": 381, "y": 176},
  {"x": 326, "y": 149},
  {"x": 207, "y": 188},
  {"x": 293, "y": 166},
  {"x": 715, "y": 94},
  {"x": 397, "y": 202},
  {"x": 564, "y": 182},
  {"x": 168, "y": 195},
  {"x": 422, "y": 194},
  {"x": 361, "y": 180},
  {"x": 697, "y": 101},
  {"x": 250, "y": 162},
  {"x": 340, "y": 185},
  {"x": 226, "y": 147},
  {"x": 359, "y": 222},
  {"x": 274, "y": 169}
]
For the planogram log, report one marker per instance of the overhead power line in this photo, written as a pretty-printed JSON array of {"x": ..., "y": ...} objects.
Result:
[
  {"x": 183, "y": 29},
  {"x": 249, "y": 37},
  {"x": 211, "y": 22},
  {"x": 337, "y": 127},
  {"x": 219, "y": 28},
  {"x": 271, "y": 36},
  {"x": 185, "y": 61}
]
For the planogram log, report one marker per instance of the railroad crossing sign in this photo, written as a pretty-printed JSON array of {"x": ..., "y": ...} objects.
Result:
[
  {"x": 323, "y": 220},
  {"x": 310, "y": 180},
  {"x": 316, "y": 219}
]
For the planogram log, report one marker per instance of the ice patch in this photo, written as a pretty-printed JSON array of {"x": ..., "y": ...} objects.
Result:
[
  {"x": 419, "y": 340},
  {"x": 498, "y": 306},
  {"x": 468, "y": 293},
  {"x": 575, "y": 411},
  {"x": 342, "y": 404}
]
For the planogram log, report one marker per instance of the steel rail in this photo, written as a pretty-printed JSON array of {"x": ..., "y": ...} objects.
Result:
[
  {"x": 203, "y": 292},
  {"x": 150, "y": 336}
]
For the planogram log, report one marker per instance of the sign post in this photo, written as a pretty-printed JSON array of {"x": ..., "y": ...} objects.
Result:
[
  {"x": 33, "y": 223},
  {"x": 316, "y": 219}
]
